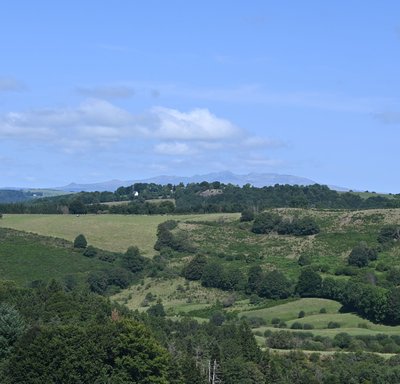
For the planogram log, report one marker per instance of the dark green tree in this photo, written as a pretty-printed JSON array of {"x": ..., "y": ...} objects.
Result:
[
  {"x": 275, "y": 285},
  {"x": 133, "y": 260},
  {"x": 116, "y": 352},
  {"x": 247, "y": 215},
  {"x": 90, "y": 251},
  {"x": 360, "y": 255},
  {"x": 266, "y": 222},
  {"x": 309, "y": 283},
  {"x": 254, "y": 278},
  {"x": 156, "y": 310},
  {"x": 12, "y": 326},
  {"x": 77, "y": 207},
  {"x": 194, "y": 270},
  {"x": 80, "y": 241}
]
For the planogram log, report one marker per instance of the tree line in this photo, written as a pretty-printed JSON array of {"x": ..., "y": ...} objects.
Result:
[{"x": 141, "y": 198}]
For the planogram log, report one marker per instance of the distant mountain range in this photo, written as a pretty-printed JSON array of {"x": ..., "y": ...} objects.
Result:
[{"x": 255, "y": 179}]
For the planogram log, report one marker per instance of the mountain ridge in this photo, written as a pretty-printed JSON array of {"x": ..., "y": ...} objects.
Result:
[{"x": 226, "y": 177}]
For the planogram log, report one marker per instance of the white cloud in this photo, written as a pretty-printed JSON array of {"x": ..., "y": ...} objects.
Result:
[
  {"x": 174, "y": 149},
  {"x": 96, "y": 120},
  {"x": 166, "y": 135},
  {"x": 197, "y": 124}
]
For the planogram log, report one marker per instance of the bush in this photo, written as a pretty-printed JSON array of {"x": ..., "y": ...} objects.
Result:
[
  {"x": 333, "y": 324},
  {"x": 247, "y": 215},
  {"x": 360, "y": 255},
  {"x": 308, "y": 326},
  {"x": 156, "y": 310},
  {"x": 90, "y": 251},
  {"x": 322, "y": 310},
  {"x": 301, "y": 314},
  {"x": 265, "y": 222},
  {"x": 296, "y": 325},
  {"x": 304, "y": 259},
  {"x": 194, "y": 270},
  {"x": 281, "y": 340},
  {"x": 132, "y": 260},
  {"x": 80, "y": 241}
]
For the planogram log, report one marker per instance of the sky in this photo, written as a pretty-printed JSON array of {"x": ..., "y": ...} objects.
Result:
[{"x": 98, "y": 90}]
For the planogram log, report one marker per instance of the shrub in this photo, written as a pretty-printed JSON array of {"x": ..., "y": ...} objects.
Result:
[
  {"x": 247, "y": 215},
  {"x": 308, "y": 326},
  {"x": 304, "y": 259},
  {"x": 296, "y": 325},
  {"x": 360, "y": 255},
  {"x": 322, "y": 310},
  {"x": 301, "y": 314},
  {"x": 132, "y": 260},
  {"x": 333, "y": 324},
  {"x": 275, "y": 321},
  {"x": 90, "y": 251},
  {"x": 265, "y": 222},
  {"x": 80, "y": 241},
  {"x": 281, "y": 340}
]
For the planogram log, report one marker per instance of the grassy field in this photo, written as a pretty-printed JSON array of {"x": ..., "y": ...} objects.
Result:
[
  {"x": 177, "y": 295},
  {"x": 349, "y": 322},
  {"x": 234, "y": 243},
  {"x": 26, "y": 257},
  {"x": 110, "y": 232}
]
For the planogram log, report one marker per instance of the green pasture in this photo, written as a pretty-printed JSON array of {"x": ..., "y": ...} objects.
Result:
[
  {"x": 349, "y": 322},
  {"x": 109, "y": 232},
  {"x": 26, "y": 257},
  {"x": 177, "y": 295}
]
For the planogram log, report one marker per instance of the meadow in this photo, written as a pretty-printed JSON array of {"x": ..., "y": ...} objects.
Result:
[
  {"x": 110, "y": 232},
  {"x": 27, "y": 257},
  {"x": 221, "y": 237}
]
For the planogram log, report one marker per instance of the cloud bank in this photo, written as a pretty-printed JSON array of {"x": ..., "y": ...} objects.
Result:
[{"x": 164, "y": 137}]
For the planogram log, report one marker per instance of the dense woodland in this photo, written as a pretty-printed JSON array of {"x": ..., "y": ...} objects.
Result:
[
  {"x": 197, "y": 198},
  {"x": 52, "y": 334}
]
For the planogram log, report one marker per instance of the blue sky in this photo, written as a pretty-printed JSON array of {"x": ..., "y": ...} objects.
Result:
[{"x": 99, "y": 90}]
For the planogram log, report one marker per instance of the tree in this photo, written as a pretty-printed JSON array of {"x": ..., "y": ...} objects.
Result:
[
  {"x": 12, "y": 326},
  {"x": 360, "y": 255},
  {"x": 194, "y": 270},
  {"x": 132, "y": 260},
  {"x": 247, "y": 215},
  {"x": 309, "y": 283},
  {"x": 77, "y": 207},
  {"x": 80, "y": 241},
  {"x": 212, "y": 275},
  {"x": 156, "y": 310},
  {"x": 305, "y": 226},
  {"x": 393, "y": 311},
  {"x": 274, "y": 286},
  {"x": 266, "y": 222},
  {"x": 90, "y": 251},
  {"x": 254, "y": 278},
  {"x": 115, "y": 352}
]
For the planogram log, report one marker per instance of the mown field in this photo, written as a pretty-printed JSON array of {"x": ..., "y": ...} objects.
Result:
[{"x": 109, "y": 232}]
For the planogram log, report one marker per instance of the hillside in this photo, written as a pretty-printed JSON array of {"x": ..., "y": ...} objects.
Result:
[{"x": 207, "y": 276}]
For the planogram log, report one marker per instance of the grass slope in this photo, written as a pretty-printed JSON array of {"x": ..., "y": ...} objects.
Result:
[
  {"x": 349, "y": 322},
  {"x": 110, "y": 232},
  {"x": 27, "y": 257}
]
